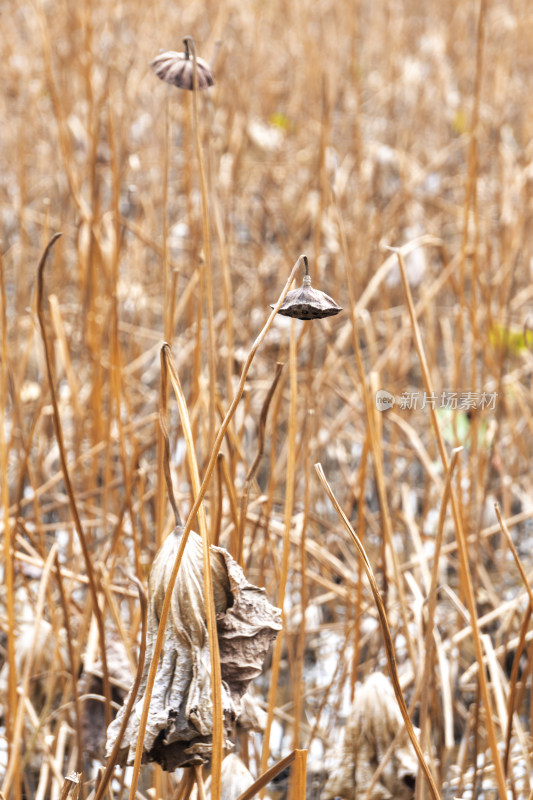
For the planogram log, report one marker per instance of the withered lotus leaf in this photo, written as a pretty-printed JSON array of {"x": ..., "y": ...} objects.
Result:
[
  {"x": 180, "y": 720},
  {"x": 373, "y": 724}
]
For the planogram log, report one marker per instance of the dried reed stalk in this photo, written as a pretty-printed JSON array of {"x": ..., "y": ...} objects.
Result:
[
  {"x": 429, "y": 639},
  {"x": 298, "y": 784},
  {"x": 389, "y": 646},
  {"x": 459, "y": 531},
  {"x": 255, "y": 464},
  {"x": 9, "y": 550},
  {"x": 112, "y": 759},
  {"x": 66, "y": 477},
  {"x": 522, "y": 640},
  {"x": 11, "y": 773},
  {"x": 374, "y": 434},
  {"x": 289, "y": 502},
  {"x": 206, "y": 237},
  {"x": 216, "y": 676},
  {"x": 74, "y": 670}
]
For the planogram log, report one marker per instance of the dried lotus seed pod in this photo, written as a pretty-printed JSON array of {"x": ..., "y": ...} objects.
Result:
[
  {"x": 308, "y": 303},
  {"x": 178, "y": 69}
]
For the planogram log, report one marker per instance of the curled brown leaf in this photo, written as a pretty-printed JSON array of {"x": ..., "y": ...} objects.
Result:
[{"x": 180, "y": 720}]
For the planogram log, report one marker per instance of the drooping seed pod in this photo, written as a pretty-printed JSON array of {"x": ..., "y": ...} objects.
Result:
[
  {"x": 308, "y": 303},
  {"x": 178, "y": 69}
]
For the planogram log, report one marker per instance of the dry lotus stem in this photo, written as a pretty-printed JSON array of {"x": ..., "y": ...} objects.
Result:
[
  {"x": 71, "y": 787},
  {"x": 180, "y": 721},
  {"x": 374, "y": 721},
  {"x": 308, "y": 303},
  {"x": 178, "y": 69}
]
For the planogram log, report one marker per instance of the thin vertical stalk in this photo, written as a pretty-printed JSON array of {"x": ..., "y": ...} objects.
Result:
[
  {"x": 299, "y": 775},
  {"x": 23, "y": 206},
  {"x": 163, "y": 424},
  {"x": 114, "y": 349},
  {"x": 66, "y": 478},
  {"x": 473, "y": 307},
  {"x": 270, "y": 493},
  {"x": 335, "y": 682},
  {"x": 360, "y": 533},
  {"x": 287, "y": 521},
  {"x": 63, "y": 134},
  {"x": 185, "y": 786},
  {"x": 200, "y": 782},
  {"x": 111, "y": 761},
  {"x": 234, "y": 508},
  {"x": 12, "y": 769},
  {"x": 216, "y": 675},
  {"x": 300, "y": 643},
  {"x": 253, "y": 469},
  {"x": 460, "y": 536},
  {"x": 217, "y": 521},
  {"x": 375, "y": 444},
  {"x": 470, "y": 185},
  {"x": 207, "y": 250},
  {"x": 228, "y": 297},
  {"x": 71, "y": 787},
  {"x": 74, "y": 663},
  {"x": 9, "y": 556},
  {"x": 523, "y": 630},
  {"x": 323, "y": 181},
  {"x": 160, "y": 502},
  {"x": 429, "y": 641},
  {"x": 167, "y": 309},
  {"x": 389, "y": 646}
]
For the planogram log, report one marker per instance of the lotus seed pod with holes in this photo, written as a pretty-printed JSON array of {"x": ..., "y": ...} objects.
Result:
[{"x": 308, "y": 303}]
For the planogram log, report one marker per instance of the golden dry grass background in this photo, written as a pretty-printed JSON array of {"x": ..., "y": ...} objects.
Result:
[{"x": 333, "y": 129}]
